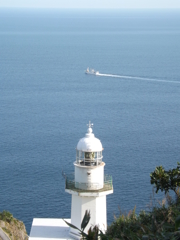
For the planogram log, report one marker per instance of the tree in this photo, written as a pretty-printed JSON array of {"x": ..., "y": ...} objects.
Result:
[{"x": 166, "y": 180}]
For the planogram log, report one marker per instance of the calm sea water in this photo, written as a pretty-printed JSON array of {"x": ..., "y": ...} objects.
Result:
[{"x": 46, "y": 101}]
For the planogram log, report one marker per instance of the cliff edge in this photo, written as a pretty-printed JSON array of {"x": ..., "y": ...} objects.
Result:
[{"x": 11, "y": 228}]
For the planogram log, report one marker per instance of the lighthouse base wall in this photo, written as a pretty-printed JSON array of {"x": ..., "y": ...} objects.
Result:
[{"x": 97, "y": 208}]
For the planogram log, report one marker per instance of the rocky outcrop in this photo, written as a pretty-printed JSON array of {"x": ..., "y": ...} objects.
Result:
[
  {"x": 3, "y": 235},
  {"x": 13, "y": 228}
]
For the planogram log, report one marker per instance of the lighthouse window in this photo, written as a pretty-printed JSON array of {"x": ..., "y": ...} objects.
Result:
[
  {"x": 87, "y": 155},
  {"x": 82, "y": 155}
]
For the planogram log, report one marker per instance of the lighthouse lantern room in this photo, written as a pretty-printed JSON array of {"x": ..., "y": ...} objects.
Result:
[{"x": 88, "y": 185}]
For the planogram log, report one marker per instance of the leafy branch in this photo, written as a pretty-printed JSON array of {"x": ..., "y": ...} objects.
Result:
[{"x": 166, "y": 180}]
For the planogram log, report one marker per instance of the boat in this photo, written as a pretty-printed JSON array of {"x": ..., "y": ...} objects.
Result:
[{"x": 91, "y": 71}]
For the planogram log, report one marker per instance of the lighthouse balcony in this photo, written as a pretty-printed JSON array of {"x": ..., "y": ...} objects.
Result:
[{"x": 71, "y": 184}]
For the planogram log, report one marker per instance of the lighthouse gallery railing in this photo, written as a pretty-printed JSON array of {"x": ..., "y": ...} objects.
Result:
[{"x": 83, "y": 187}]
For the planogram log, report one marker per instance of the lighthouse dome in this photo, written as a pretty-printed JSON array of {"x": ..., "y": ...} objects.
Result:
[{"x": 89, "y": 143}]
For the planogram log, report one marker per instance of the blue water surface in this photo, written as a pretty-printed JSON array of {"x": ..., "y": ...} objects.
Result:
[{"x": 46, "y": 101}]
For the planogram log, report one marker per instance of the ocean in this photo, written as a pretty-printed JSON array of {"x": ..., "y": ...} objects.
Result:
[{"x": 46, "y": 100}]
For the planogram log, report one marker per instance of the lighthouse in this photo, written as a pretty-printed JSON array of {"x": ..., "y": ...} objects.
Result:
[{"x": 88, "y": 185}]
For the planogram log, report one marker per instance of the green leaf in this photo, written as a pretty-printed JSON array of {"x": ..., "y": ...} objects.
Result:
[
  {"x": 177, "y": 222},
  {"x": 71, "y": 225},
  {"x": 85, "y": 220}
]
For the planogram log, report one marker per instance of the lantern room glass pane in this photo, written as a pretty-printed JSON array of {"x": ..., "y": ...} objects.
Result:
[{"x": 82, "y": 155}]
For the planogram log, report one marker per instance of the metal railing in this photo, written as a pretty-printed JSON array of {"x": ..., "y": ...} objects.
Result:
[{"x": 88, "y": 187}]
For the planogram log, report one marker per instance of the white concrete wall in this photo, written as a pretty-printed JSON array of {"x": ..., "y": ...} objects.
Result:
[
  {"x": 76, "y": 203},
  {"x": 101, "y": 217},
  {"x": 91, "y": 177},
  {"x": 97, "y": 207}
]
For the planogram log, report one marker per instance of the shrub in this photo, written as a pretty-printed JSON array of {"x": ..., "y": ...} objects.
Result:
[{"x": 6, "y": 216}]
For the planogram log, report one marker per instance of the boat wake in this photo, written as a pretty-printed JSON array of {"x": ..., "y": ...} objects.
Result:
[{"x": 136, "y": 78}]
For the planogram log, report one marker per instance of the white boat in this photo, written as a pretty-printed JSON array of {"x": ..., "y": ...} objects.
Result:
[{"x": 91, "y": 71}]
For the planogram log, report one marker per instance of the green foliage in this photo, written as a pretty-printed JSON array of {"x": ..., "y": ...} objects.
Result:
[
  {"x": 124, "y": 227},
  {"x": 93, "y": 233},
  {"x": 160, "y": 223},
  {"x": 166, "y": 180},
  {"x": 177, "y": 222},
  {"x": 6, "y": 216},
  {"x": 85, "y": 220}
]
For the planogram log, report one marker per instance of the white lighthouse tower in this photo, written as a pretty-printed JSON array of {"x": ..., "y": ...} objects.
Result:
[{"x": 88, "y": 185}]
